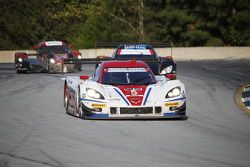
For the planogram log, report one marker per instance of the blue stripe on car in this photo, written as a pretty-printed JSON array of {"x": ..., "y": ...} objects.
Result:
[
  {"x": 170, "y": 114},
  {"x": 147, "y": 96},
  {"x": 122, "y": 97},
  {"x": 83, "y": 99},
  {"x": 98, "y": 116}
]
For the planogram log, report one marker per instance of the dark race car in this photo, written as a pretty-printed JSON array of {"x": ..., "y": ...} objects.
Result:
[
  {"x": 49, "y": 57},
  {"x": 163, "y": 65}
]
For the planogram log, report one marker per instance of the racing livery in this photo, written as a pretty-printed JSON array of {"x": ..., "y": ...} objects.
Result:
[
  {"x": 165, "y": 65},
  {"x": 49, "y": 57},
  {"x": 124, "y": 90}
]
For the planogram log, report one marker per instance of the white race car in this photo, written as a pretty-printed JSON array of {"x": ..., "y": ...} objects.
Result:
[{"x": 124, "y": 90}]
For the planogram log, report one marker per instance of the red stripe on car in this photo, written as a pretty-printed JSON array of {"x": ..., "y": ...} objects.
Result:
[{"x": 133, "y": 93}]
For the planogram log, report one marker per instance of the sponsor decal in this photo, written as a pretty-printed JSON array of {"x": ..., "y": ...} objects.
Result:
[
  {"x": 135, "y": 46},
  {"x": 135, "y": 52},
  {"x": 53, "y": 43},
  {"x": 126, "y": 70},
  {"x": 133, "y": 93},
  {"x": 32, "y": 57}
]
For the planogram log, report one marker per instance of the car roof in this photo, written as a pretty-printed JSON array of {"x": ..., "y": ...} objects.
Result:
[{"x": 124, "y": 64}]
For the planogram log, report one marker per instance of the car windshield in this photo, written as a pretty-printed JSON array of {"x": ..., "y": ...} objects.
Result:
[
  {"x": 55, "y": 49},
  {"x": 128, "y": 76}
]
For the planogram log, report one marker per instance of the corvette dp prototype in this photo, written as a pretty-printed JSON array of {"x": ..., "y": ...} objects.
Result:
[{"x": 124, "y": 90}]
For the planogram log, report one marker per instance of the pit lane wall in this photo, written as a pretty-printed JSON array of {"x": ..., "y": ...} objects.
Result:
[{"x": 178, "y": 53}]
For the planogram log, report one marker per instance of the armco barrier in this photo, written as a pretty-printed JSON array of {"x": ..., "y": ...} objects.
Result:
[
  {"x": 9, "y": 56},
  {"x": 246, "y": 96},
  {"x": 186, "y": 53},
  {"x": 178, "y": 53},
  {"x": 242, "y": 98}
]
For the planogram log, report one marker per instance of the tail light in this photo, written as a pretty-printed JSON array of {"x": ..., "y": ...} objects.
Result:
[{"x": 23, "y": 55}]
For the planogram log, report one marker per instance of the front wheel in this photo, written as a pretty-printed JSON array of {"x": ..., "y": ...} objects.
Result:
[
  {"x": 78, "y": 107},
  {"x": 18, "y": 71},
  {"x": 49, "y": 69},
  {"x": 78, "y": 111},
  {"x": 66, "y": 97}
]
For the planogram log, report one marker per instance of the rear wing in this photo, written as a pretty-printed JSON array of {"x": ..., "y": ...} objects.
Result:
[
  {"x": 100, "y": 60},
  {"x": 116, "y": 44}
]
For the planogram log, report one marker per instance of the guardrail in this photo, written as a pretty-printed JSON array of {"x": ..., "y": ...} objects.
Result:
[
  {"x": 246, "y": 96},
  {"x": 178, "y": 53},
  {"x": 242, "y": 98}
]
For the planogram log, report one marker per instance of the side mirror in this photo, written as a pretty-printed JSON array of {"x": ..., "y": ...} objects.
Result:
[{"x": 84, "y": 77}]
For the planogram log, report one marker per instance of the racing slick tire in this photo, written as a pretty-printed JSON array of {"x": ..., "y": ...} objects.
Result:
[
  {"x": 78, "y": 112},
  {"x": 21, "y": 71},
  {"x": 18, "y": 71},
  {"x": 49, "y": 69},
  {"x": 66, "y": 98},
  {"x": 65, "y": 95}
]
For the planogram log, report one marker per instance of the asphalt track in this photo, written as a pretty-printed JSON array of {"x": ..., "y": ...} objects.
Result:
[{"x": 36, "y": 131}]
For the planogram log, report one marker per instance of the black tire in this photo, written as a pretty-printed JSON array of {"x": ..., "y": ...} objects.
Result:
[
  {"x": 80, "y": 112},
  {"x": 78, "y": 108},
  {"x": 21, "y": 71},
  {"x": 49, "y": 69},
  {"x": 65, "y": 98},
  {"x": 18, "y": 71}
]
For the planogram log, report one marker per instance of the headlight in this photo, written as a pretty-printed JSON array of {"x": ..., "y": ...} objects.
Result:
[
  {"x": 79, "y": 57},
  {"x": 20, "y": 60},
  {"x": 167, "y": 70},
  {"x": 94, "y": 94},
  {"x": 174, "y": 92},
  {"x": 52, "y": 61}
]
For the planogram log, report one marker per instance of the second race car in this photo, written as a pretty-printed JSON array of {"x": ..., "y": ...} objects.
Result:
[
  {"x": 165, "y": 65},
  {"x": 49, "y": 57}
]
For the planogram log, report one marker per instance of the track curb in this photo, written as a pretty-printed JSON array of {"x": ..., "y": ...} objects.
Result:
[{"x": 243, "y": 102}]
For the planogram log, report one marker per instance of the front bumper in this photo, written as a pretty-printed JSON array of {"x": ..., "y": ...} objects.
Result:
[
  {"x": 66, "y": 68},
  {"x": 24, "y": 66},
  {"x": 177, "y": 113}
]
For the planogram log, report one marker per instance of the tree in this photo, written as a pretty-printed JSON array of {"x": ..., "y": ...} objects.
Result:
[{"x": 83, "y": 22}]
